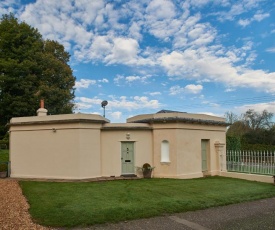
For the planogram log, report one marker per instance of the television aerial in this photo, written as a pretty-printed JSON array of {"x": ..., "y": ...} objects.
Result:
[{"x": 103, "y": 105}]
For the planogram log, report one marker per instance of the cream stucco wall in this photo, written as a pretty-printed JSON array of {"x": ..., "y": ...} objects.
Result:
[
  {"x": 64, "y": 147},
  {"x": 80, "y": 146},
  {"x": 185, "y": 149},
  {"x": 112, "y": 138}
]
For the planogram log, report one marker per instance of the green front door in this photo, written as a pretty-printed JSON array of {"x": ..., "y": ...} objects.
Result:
[
  {"x": 127, "y": 158},
  {"x": 204, "y": 155}
]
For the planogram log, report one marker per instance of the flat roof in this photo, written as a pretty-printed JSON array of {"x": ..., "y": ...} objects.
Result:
[
  {"x": 62, "y": 118},
  {"x": 161, "y": 117}
]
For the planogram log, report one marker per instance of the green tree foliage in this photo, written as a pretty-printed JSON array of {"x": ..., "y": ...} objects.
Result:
[
  {"x": 56, "y": 81},
  {"x": 31, "y": 69},
  {"x": 253, "y": 130}
]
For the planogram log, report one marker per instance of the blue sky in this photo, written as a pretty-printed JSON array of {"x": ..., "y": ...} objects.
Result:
[{"x": 196, "y": 56}]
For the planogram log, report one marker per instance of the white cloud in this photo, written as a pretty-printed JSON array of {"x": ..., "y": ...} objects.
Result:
[
  {"x": 142, "y": 79},
  {"x": 269, "y": 106},
  {"x": 134, "y": 31},
  {"x": 260, "y": 16},
  {"x": 122, "y": 103},
  {"x": 8, "y": 6},
  {"x": 174, "y": 90},
  {"x": 99, "y": 48},
  {"x": 54, "y": 20},
  {"x": 132, "y": 78},
  {"x": 198, "y": 3},
  {"x": 193, "y": 33},
  {"x": 84, "y": 83},
  {"x": 211, "y": 114},
  {"x": 120, "y": 80},
  {"x": 84, "y": 103},
  {"x": 271, "y": 50},
  {"x": 244, "y": 22},
  {"x": 79, "y": 106},
  {"x": 113, "y": 50},
  {"x": 237, "y": 8},
  {"x": 97, "y": 31},
  {"x": 8, "y": 3},
  {"x": 257, "y": 17},
  {"x": 90, "y": 101},
  {"x": 136, "y": 103},
  {"x": 104, "y": 80},
  {"x": 88, "y": 11},
  {"x": 155, "y": 93},
  {"x": 212, "y": 104},
  {"x": 203, "y": 62},
  {"x": 160, "y": 19},
  {"x": 124, "y": 51},
  {"x": 160, "y": 9},
  {"x": 192, "y": 89},
  {"x": 115, "y": 115},
  {"x": 228, "y": 90},
  {"x": 84, "y": 24}
]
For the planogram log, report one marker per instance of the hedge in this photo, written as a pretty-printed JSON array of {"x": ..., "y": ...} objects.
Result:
[{"x": 4, "y": 144}]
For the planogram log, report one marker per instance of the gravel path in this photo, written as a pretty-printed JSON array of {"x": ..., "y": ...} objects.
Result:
[{"x": 14, "y": 207}]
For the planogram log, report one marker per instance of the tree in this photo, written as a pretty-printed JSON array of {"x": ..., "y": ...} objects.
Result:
[
  {"x": 231, "y": 117},
  {"x": 252, "y": 128},
  {"x": 238, "y": 128},
  {"x": 256, "y": 120},
  {"x": 31, "y": 69},
  {"x": 56, "y": 79}
]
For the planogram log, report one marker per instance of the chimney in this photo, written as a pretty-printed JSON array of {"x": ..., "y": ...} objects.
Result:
[{"x": 42, "y": 111}]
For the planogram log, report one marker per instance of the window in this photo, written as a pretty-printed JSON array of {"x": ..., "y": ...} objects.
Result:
[{"x": 165, "y": 151}]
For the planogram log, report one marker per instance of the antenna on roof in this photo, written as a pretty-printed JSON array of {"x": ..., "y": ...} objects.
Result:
[{"x": 103, "y": 105}]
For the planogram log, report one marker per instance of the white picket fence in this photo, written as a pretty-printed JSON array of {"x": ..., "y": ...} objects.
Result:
[{"x": 257, "y": 162}]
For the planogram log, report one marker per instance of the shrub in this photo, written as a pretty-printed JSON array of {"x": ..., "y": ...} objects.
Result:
[
  {"x": 258, "y": 147},
  {"x": 4, "y": 144}
]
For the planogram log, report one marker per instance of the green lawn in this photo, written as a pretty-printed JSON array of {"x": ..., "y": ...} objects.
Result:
[{"x": 84, "y": 204}]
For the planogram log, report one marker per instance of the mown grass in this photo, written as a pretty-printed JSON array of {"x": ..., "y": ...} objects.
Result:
[{"x": 84, "y": 204}]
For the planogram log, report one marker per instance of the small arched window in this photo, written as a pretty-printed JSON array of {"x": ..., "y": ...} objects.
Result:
[{"x": 165, "y": 154}]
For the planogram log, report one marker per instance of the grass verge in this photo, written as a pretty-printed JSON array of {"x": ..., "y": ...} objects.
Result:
[{"x": 82, "y": 204}]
